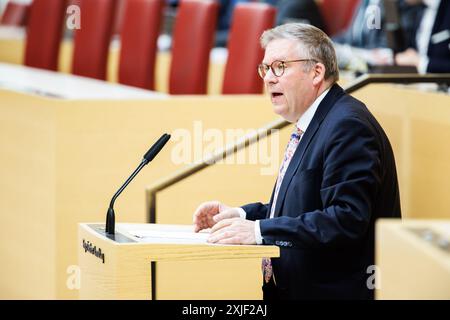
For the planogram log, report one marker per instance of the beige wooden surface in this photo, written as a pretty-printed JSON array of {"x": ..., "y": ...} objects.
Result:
[
  {"x": 412, "y": 266},
  {"x": 418, "y": 126},
  {"x": 125, "y": 273},
  {"x": 28, "y": 244}
]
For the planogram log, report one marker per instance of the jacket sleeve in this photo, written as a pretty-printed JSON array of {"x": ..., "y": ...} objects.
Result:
[
  {"x": 438, "y": 65},
  {"x": 256, "y": 211},
  {"x": 350, "y": 182}
]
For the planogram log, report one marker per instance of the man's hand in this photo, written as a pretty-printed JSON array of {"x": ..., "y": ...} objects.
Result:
[
  {"x": 209, "y": 213},
  {"x": 409, "y": 57},
  {"x": 233, "y": 231},
  {"x": 382, "y": 57}
]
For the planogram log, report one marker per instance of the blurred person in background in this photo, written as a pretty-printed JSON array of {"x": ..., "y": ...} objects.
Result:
[
  {"x": 304, "y": 11},
  {"x": 430, "y": 50},
  {"x": 364, "y": 43}
]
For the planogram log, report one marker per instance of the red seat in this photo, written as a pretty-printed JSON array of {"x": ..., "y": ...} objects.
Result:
[
  {"x": 337, "y": 15},
  {"x": 244, "y": 49},
  {"x": 15, "y": 14},
  {"x": 91, "y": 42},
  {"x": 193, "y": 37},
  {"x": 119, "y": 16},
  {"x": 44, "y": 31},
  {"x": 140, "y": 31},
  {"x": 73, "y": 2}
]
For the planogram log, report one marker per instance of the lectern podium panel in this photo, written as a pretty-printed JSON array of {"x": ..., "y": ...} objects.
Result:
[
  {"x": 413, "y": 259},
  {"x": 119, "y": 266}
]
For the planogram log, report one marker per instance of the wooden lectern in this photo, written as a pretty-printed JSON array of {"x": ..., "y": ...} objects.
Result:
[
  {"x": 120, "y": 266},
  {"x": 413, "y": 257}
]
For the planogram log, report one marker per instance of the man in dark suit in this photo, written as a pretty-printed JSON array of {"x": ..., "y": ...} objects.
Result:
[
  {"x": 337, "y": 177},
  {"x": 431, "y": 53}
]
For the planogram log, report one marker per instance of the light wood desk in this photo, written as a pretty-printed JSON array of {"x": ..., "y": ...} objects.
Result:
[
  {"x": 12, "y": 44},
  {"x": 120, "y": 268},
  {"x": 66, "y": 86},
  {"x": 413, "y": 257}
]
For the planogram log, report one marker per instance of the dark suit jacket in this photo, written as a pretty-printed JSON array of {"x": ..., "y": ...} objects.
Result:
[
  {"x": 439, "y": 53},
  {"x": 341, "y": 178}
]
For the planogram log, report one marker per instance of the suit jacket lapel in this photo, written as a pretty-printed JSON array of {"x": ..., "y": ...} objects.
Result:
[
  {"x": 439, "y": 17},
  {"x": 271, "y": 201},
  {"x": 325, "y": 106}
]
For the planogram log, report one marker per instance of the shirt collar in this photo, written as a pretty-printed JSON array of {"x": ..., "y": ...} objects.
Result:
[{"x": 306, "y": 117}]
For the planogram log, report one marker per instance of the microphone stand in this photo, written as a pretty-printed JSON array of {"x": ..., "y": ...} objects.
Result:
[
  {"x": 151, "y": 153},
  {"x": 110, "y": 216}
]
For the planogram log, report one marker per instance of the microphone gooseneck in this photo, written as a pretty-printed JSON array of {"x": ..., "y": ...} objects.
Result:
[{"x": 149, "y": 156}]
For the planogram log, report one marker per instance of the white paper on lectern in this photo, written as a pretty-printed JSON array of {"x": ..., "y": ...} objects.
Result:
[{"x": 170, "y": 234}]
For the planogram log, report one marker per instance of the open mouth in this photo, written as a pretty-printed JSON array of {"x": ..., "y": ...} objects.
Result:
[{"x": 276, "y": 94}]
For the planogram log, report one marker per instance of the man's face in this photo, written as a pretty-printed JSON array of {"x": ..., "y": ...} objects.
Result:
[{"x": 293, "y": 92}]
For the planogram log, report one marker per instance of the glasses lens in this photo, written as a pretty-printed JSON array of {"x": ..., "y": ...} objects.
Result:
[
  {"x": 278, "y": 68},
  {"x": 262, "y": 70}
]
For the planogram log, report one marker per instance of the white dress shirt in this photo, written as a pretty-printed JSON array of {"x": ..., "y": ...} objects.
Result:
[
  {"x": 424, "y": 33},
  {"x": 302, "y": 123}
]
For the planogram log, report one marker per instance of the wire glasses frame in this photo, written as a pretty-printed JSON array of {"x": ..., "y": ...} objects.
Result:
[{"x": 277, "y": 67}]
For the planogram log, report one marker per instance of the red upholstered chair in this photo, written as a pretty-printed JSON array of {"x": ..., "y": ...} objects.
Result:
[
  {"x": 193, "y": 37},
  {"x": 74, "y": 2},
  {"x": 140, "y": 31},
  {"x": 244, "y": 50},
  {"x": 44, "y": 31},
  {"x": 337, "y": 15},
  {"x": 91, "y": 42},
  {"x": 119, "y": 16},
  {"x": 15, "y": 14}
]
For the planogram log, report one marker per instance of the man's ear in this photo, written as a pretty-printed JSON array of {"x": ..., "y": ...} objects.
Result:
[{"x": 319, "y": 73}]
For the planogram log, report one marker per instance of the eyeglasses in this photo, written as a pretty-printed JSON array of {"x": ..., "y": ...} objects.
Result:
[{"x": 277, "y": 67}]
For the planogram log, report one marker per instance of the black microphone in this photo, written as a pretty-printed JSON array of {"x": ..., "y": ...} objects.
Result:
[{"x": 151, "y": 153}]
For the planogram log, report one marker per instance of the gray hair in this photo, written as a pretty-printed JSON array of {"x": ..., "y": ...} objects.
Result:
[{"x": 316, "y": 44}]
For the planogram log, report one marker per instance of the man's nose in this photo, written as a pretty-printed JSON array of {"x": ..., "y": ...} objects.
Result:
[{"x": 270, "y": 77}]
